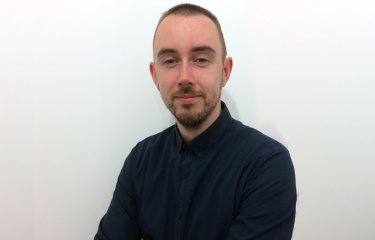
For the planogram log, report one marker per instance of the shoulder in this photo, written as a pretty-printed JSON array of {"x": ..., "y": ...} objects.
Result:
[
  {"x": 156, "y": 140},
  {"x": 257, "y": 152},
  {"x": 253, "y": 139},
  {"x": 150, "y": 146},
  {"x": 266, "y": 162}
]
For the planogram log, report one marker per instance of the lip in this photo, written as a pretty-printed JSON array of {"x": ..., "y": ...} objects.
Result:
[{"x": 187, "y": 98}]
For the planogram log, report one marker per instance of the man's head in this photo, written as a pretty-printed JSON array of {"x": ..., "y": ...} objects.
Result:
[
  {"x": 190, "y": 66},
  {"x": 186, "y": 9}
]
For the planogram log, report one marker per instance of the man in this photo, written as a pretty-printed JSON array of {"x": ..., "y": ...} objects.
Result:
[{"x": 209, "y": 176}]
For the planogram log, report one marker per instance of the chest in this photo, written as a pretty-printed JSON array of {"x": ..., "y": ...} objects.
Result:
[{"x": 190, "y": 194}]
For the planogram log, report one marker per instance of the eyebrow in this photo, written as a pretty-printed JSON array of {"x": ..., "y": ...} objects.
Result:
[
  {"x": 204, "y": 49},
  {"x": 165, "y": 51}
]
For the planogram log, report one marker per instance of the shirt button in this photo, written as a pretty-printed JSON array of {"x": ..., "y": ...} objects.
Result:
[{"x": 179, "y": 216}]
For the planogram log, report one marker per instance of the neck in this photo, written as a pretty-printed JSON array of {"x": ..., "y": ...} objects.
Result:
[{"x": 189, "y": 134}]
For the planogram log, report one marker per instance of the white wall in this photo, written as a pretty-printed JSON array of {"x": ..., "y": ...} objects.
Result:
[{"x": 75, "y": 97}]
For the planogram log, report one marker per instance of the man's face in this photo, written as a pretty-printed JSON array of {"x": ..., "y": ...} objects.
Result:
[{"x": 188, "y": 68}]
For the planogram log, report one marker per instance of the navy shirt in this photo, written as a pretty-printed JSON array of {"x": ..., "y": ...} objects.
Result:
[{"x": 230, "y": 182}]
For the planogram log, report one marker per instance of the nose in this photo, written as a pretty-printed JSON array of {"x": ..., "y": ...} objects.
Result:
[{"x": 185, "y": 75}]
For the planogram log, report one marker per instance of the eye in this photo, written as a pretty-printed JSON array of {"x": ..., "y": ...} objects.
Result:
[
  {"x": 201, "y": 61},
  {"x": 169, "y": 62}
]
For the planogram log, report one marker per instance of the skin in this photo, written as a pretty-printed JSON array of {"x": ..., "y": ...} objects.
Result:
[{"x": 189, "y": 71}]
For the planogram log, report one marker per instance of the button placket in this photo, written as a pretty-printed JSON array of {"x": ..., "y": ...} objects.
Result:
[{"x": 183, "y": 175}]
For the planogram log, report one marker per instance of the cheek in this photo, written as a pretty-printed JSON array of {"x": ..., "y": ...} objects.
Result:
[
  {"x": 164, "y": 87},
  {"x": 166, "y": 79},
  {"x": 165, "y": 90},
  {"x": 215, "y": 82}
]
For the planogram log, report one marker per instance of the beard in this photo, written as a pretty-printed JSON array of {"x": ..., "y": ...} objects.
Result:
[{"x": 186, "y": 113}]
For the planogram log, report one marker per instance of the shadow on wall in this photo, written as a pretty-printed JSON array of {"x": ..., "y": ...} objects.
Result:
[
  {"x": 268, "y": 128},
  {"x": 227, "y": 98}
]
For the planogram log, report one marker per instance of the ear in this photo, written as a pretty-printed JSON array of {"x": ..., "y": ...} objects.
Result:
[
  {"x": 153, "y": 74},
  {"x": 227, "y": 69}
]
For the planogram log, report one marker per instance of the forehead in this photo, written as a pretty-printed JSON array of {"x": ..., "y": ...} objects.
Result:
[{"x": 186, "y": 32}]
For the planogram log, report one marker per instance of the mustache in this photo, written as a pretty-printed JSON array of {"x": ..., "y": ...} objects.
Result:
[{"x": 186, "y": 89}]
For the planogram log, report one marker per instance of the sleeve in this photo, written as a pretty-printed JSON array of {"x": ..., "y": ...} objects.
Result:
[
  {"x": 268, "y": 200},
  {"x": 120, "y": 221}
]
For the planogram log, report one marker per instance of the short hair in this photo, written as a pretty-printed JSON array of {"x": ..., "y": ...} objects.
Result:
[{"x": 187, "y": 9}]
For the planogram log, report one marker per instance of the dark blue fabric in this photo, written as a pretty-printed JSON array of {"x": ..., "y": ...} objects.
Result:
[{"x": 230, "y": 182}]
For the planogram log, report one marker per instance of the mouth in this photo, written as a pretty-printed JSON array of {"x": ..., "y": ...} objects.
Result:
[{"x": 186, "y": 98}]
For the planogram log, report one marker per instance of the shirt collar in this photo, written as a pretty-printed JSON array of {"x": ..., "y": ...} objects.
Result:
[{"x": 202, "y": 142}]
